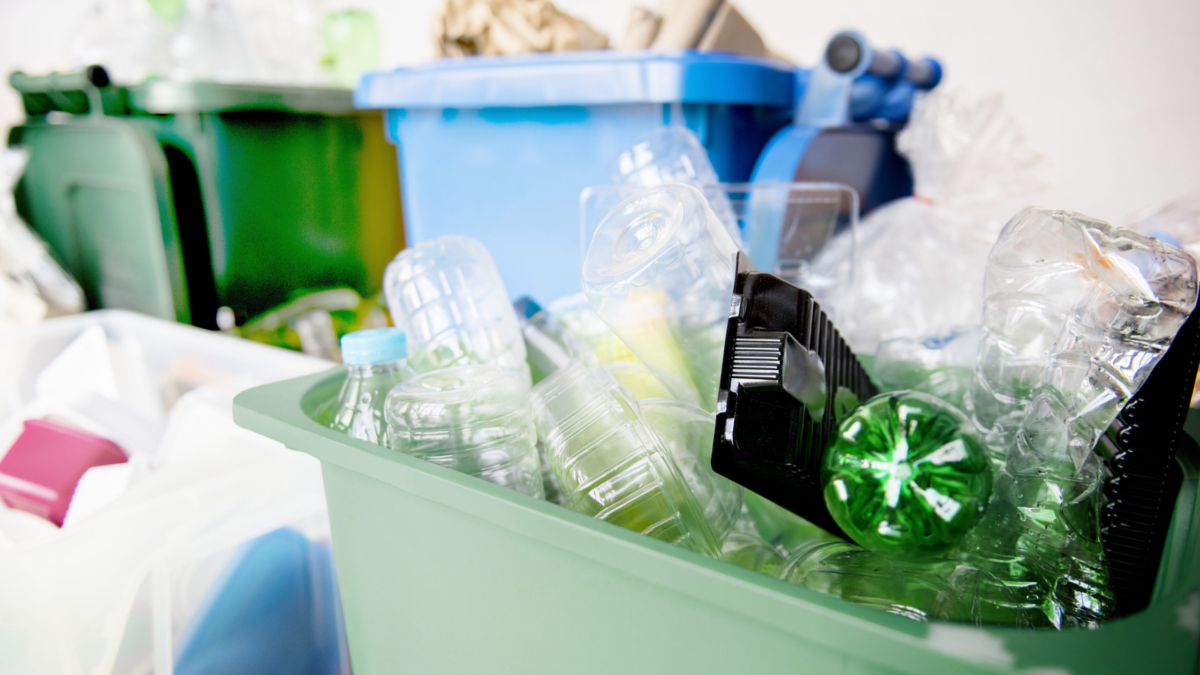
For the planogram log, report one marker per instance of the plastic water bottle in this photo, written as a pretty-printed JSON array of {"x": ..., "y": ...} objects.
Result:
[
  {"x": 1076, "y": 315},
  {"x": 906, "y": 475},
  {"x": 474, "y": 419},
  {"x": 377, "y": 362},
  {"x": 660, "y": 271},
  {"x": 674, "y": 154},
  {"x": 611, "y": 465},
  {"x": 447, "y": 295},
  {"x": 686, "y": 432},
  {"x": 918, "y": 589}
]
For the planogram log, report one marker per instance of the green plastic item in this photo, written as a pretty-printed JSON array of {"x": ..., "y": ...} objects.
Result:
[
  {"x": 174, "y": 199},
  {"x": 441, "y": 572},
  {"x": 906, "y": 474}
]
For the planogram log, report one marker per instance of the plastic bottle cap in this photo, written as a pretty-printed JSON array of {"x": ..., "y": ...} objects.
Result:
[{"x": 374, "y": 346}]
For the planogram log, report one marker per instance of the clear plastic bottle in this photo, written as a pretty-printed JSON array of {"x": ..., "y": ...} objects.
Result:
[
  {"x": 377, "y": 362},
  {"x": 932, "y": 589},
  {"x": 637, "y": 380},
  {"x": 447, "y": 295},
  {"x": 674, "y": 154},
  {"x": 474, "y": 419},
  {"x": 686, "y": 432},
  {"x": 1076, "y": 315},
  {"x": 752, "y": 552},
  {"x": 611, "y": 465},
  {"x": 660, "y": 271}
]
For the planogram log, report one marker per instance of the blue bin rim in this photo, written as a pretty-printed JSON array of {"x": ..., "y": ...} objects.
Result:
[{"x": 581, "y": 79}]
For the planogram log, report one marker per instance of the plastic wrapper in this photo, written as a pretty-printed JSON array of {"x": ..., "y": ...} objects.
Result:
[{"x": 918, "y": 260}]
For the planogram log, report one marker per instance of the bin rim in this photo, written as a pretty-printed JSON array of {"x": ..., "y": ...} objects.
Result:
[
  {"x": 1161, "y": 633},
  {"x": 581, "y": 79},
  {"x": 158, "y": 97}
]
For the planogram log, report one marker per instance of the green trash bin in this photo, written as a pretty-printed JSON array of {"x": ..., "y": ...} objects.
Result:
[
  {"x": 446, "y": 573},
  {"x": 174, "y": 199}
]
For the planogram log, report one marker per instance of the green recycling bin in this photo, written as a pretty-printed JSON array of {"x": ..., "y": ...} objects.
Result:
[
  {"x": 173, "y": 199},
  {"x": 440, "y": 572}
]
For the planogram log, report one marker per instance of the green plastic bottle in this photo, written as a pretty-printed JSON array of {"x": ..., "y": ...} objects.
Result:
[{"x": 906, "y": 475}]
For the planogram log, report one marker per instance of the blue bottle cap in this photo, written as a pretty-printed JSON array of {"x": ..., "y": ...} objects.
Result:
[{"x": 374, "y": 346}]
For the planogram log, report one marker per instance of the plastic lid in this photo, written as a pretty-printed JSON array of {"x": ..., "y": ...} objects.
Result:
[
  {"x": 374, "y": 346},
  {"x": 581, "y": 78}
]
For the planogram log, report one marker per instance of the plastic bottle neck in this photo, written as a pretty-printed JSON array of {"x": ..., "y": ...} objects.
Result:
[{"x": 371, "y": 370}]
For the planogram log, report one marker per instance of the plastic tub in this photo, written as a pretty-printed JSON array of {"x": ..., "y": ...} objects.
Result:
[
  {"x": 442, "y": 572},
  {"x": 499, "y": 148}
]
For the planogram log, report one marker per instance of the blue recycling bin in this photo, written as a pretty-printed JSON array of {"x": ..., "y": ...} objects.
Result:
[{"x": 499, "y": 148}]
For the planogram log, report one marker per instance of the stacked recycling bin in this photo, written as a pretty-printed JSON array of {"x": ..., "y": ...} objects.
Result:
[{"x": 175, "y": 199}]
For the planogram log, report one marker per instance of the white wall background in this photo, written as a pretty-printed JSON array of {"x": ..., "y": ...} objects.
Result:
[{"x": 1107, "y": 90}]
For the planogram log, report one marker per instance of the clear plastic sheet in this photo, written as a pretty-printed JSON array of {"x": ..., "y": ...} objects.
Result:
[{"x": 918, "y": 262}]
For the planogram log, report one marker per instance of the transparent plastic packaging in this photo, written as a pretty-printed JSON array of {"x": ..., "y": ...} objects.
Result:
[
  {"x": 660, "y": 273},
  {"x": 1076, "y": 315},
  {"x": 611, "y": 465},
  {"x": 637, "y": 380},
  {"x": 674, "y": 154},
  {"x": 687, "y": 432},
  {"x": 448, "y": 297},
  {"x": 550, "y": 346},
  {"x": 752, "y": 552},
  {"x": 576, "y": 315},
  {"x": 474, "y": 419},
  {"x": 942, "y": 365},
  {"x": 917, "y": 260},
  {"x": 923, "y": 590}
]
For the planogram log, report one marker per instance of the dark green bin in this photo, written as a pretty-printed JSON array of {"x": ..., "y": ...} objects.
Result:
[{"x": 173, "y": 199}]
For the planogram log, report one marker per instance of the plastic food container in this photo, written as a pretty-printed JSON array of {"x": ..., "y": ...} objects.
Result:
[
  {"x": 442, "y": 572},
  {"x": 499, "y": 148}
]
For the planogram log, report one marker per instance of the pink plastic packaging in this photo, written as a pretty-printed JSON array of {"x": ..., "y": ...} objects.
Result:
[{"x": 41, "y": 470}]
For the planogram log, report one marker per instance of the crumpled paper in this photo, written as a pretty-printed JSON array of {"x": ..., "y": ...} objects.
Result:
[{"x": 505, "y": 27}]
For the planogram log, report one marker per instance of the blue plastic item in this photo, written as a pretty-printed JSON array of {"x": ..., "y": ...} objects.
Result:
[
  {"x": 374, "y": 346},
  {"x": 853, "y": 83},
  {"x": 276, "y": 613},
  {"x": 499, "y": 148}
]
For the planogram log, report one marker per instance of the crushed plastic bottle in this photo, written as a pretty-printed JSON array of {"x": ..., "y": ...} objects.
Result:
[
  {"x": 376, "y": 360},
  {"x": 611, "y": 465},
  {"x": 906, "y": 475},
  {"x": 674, "y": 154},
  {"x": 474, "y": 419},
  {"x": 660, "y": 271},
  {"x": 924, "y": 590},
  {"x": 447, "y": 295},
  {"x": 1076, "y": 313}
]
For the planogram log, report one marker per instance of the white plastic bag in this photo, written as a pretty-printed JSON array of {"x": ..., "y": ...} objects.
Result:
[{"x": 919, "y": 261}]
